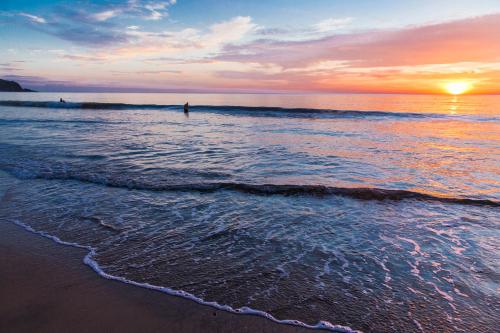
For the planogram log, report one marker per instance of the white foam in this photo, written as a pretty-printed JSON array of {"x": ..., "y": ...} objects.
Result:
[{"x": 88, "y": 260}]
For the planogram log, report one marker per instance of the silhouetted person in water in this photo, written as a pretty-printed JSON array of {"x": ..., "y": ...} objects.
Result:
[
  {"x": 61, "y": 100},
  {"x": 186, "y": 108}
]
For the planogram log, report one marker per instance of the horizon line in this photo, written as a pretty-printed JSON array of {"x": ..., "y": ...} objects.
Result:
[{"x": 232, "y": 92}]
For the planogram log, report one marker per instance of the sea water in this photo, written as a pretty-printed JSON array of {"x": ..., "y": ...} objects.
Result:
[{"x": 378, "y": 213}]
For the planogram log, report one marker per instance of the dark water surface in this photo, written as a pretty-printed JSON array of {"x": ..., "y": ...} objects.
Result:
[{"x": 381, "y": 213}]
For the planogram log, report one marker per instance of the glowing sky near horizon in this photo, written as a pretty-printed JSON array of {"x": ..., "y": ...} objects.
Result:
[{"x": 252, "y": 46}]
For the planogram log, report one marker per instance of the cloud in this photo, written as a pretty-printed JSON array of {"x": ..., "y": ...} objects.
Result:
[
  {"x": 89, "y": 37},
  {"x": 148, "y": 10},
  {"x": 332, "y": 24},
  {"x": 77, "y": 26},
  {"x": 83, "y": 58},
  {"x": 34, "y": 18},
  {"x": 473, "y": 39},
  {"x": 315, "y": 31},
  {"x": 151, "y": 10},
  {"x": 96, "y": 25},
  {"x": 187, "y": 43},
  {"x": 152, "y": 72},
  {"x": 10, "y": 67},
  {"x": 186, "y": 46},
  {"x": 412, "y": 59},
  {"x": 155, "y": 10},
  {"x": 105, "y": 15},
  {"x": 237, "y": 53},
  {"x": 229, "y": 31},
  {"x": 272, "y": 31}
]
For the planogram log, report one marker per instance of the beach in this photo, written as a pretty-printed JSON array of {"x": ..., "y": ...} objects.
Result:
[{"x": 45, "y": 287}]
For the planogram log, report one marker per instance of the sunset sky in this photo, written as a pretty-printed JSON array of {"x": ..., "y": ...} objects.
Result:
[{"x": 411, "y": 46}]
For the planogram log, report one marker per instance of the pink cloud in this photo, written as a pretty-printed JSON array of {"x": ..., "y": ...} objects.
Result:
[{"x": 468, "y": 40}]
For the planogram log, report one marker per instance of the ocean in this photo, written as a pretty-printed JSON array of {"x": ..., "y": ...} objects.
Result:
[{"x": 377, "y": 213}]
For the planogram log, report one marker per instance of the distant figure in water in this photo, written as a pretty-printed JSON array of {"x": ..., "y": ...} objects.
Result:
[
  {"x": 186, "y": 107},
  {"x": 61, "y": 100}
]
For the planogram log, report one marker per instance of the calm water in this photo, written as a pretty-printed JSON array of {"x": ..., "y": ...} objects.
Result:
[{"x": 377, "y": 212}]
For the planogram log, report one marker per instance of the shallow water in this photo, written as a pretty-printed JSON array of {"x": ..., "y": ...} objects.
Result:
[{"x": 380, "y": 221}]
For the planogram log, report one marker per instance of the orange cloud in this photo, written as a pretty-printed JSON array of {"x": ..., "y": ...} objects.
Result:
[{"x": 415, "y": 59}]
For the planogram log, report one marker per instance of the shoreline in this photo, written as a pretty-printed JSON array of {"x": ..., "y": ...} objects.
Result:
[{"x": 49, "y": 289}]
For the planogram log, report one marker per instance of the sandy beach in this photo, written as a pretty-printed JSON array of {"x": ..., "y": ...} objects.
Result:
[{"x": 45, "y": 287}]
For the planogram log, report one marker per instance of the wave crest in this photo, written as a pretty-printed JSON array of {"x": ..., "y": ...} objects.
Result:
[
  {"x": 253, "y": 110},
  {"x": 360, "y": 193}
]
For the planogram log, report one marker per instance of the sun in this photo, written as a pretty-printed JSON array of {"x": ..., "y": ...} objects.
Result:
[{"x": 457, "y": 87}]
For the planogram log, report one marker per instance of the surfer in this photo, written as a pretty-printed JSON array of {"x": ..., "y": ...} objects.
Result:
[
  {"x": 186, "y": 107},
  {"x": 61, "y": 100}
]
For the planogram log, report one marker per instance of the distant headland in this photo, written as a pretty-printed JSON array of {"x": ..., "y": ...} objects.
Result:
[{"x": 12, "y": 86}]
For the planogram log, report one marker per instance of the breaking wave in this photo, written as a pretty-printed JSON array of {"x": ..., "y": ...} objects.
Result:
[
  {"x": 360, "y": 193},
  {"x": 258, "y": 111}
]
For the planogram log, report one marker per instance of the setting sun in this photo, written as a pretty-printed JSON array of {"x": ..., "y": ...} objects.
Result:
[{"x": 457, "y": 88}]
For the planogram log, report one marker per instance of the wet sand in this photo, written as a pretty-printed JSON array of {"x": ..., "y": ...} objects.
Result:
[{"x": 45, "y": 287}]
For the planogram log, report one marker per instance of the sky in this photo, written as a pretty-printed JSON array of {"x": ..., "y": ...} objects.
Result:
[{"x": 275, "y": 46}]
